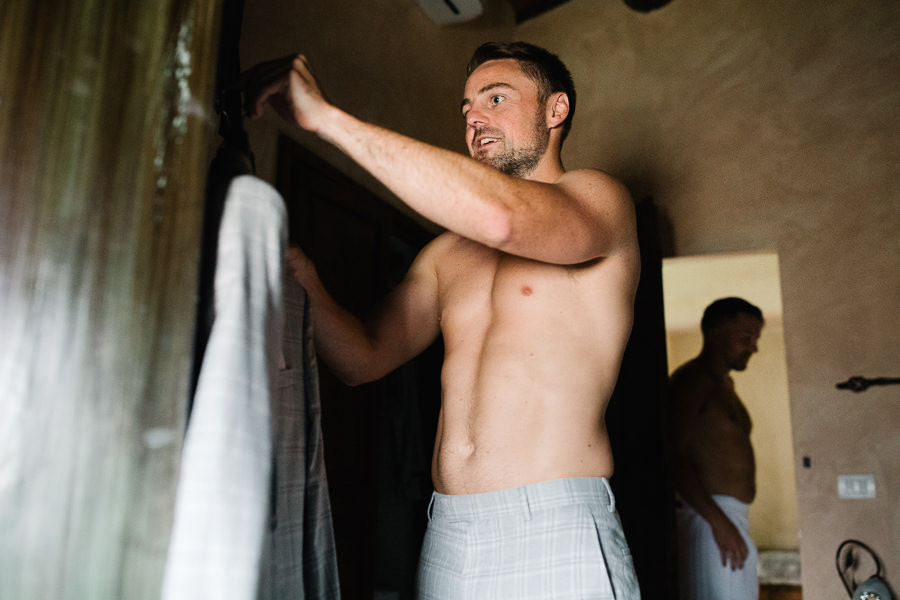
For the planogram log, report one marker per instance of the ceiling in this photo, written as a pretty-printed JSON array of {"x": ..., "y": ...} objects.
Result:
[{"x": 527, "y": 9}]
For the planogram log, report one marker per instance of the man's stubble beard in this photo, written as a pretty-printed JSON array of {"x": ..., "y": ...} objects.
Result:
[{"x": 521, "y": 162}]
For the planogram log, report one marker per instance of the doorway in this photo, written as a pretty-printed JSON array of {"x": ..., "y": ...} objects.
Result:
[
  {"x": 689, "y": 285},
  {"x": 378, "y": 436}
]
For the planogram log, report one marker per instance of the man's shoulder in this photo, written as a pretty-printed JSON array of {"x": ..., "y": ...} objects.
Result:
[
  {"x": 446, "y": 243},
  {"x": 606, "y": 200},
  {"x": 596, "y": 183},
  {"x": 689, "y": 377},
  {"x": 450, "y": 248},
  {"x": 589, "y": 173}
]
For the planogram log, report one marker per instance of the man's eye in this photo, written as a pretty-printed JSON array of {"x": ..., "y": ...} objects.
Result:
[{"x": 496, "y": 99}]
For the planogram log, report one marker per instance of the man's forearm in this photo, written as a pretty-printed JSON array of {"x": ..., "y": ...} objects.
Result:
[
  {"x": 729, "y": 539},
  {"x": 341, "y": 339},
  {"x": 694, "y": 493},
  {"x": 445, "y": 187}
]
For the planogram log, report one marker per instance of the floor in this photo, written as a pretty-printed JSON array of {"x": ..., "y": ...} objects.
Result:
[{"x": 779, "y": 592}]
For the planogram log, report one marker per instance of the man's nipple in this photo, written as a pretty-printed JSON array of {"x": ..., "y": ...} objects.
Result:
[{"x": 526, "y": 290}]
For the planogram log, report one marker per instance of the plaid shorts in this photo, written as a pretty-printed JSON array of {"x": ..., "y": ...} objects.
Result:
[{"x": 555, "y": 539}]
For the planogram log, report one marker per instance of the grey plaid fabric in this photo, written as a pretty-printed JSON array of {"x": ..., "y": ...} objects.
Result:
[
  {"x": 300, "y": 559},
  {"x": 220, "y": 510},
  {"x": 559, "y": 539}
]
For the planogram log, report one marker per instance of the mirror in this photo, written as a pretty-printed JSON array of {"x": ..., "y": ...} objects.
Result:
[{"x": 689, "y": 285}]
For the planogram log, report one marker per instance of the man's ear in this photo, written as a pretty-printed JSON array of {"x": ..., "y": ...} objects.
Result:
[{"x": 557, "y": 109}]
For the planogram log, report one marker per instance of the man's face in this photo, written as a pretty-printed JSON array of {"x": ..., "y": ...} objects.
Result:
[
  {"x": 506, "y": 127},
  {"x": 738, "y": 338}
]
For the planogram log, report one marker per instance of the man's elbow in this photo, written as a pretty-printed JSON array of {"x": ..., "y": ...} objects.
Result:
[
  {"x": 354, "y": 377},
  {"x": 496, "y": 227},
  {"x": 350, "y": 380},
  {"x": 361, "y": 372}
]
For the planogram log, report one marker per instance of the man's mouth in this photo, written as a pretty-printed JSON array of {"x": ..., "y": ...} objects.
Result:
[
  {"x": 483, "y": 140},
  {"x": 481, "y": 145}
]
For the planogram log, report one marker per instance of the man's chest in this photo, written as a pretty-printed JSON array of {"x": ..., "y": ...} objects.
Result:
[
  {"x": 476, "y": 281},
  {"x": 726, "y": 407}
]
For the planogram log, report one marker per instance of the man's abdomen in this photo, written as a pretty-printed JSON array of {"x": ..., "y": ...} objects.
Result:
[{"x": 508, "y": 442}]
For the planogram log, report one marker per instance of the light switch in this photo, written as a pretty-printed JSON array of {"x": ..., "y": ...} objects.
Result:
[{"x": 856, "y": 486}]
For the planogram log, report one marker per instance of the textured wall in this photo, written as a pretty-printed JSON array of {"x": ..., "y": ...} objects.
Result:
[{"x": 773, "y": 125}]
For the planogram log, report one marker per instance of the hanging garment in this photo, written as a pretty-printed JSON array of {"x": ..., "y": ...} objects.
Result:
[
  {"x": 300, "y": 559},
  {"x": 223, "y": 491}
]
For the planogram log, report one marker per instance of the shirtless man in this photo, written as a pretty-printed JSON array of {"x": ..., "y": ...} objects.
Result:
[
  {"x": 715, "y": 468},
  {"x": 532, "y": 287}
]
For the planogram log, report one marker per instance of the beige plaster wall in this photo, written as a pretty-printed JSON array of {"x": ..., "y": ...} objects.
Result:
[
  {"x": 763, "y": 124},
  {"x": 754, "y": 123}
]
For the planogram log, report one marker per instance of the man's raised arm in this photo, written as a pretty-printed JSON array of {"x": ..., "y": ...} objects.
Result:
[{"x": 565, "y": 218}]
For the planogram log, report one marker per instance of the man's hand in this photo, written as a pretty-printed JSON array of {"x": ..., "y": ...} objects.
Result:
[
  {"x": 731, "y": 543},
  {"x": 289, "y": 86},
  {"x": 300, "y": 265}
]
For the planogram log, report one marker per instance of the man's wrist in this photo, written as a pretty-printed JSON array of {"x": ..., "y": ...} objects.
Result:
[{"x": 331, "y": 122}]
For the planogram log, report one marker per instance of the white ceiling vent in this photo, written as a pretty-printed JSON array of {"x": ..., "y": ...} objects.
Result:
[{"x": 446, "y": 12}]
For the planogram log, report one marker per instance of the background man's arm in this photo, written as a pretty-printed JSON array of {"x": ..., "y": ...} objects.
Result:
[
  {"x": 687, "y": 397},
  {"x": 582, "y": 216},
  {"x": 403, "y": 325}
]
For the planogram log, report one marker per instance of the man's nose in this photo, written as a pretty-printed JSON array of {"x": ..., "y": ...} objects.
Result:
[{"x": 475, "y": 118}]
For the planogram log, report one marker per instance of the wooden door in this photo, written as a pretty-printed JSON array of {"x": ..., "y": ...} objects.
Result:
[
  {"x": 104, "y": 128},
  {"x": 378, "y": 437}
]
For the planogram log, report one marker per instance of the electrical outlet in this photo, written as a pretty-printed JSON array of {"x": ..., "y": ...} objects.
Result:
[{"x": 856, "y": 486}]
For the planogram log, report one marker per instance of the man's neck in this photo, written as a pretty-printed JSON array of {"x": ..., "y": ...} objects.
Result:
[
  {"x": 713, "y": 364},
  {"x": 550, "y": 168}
]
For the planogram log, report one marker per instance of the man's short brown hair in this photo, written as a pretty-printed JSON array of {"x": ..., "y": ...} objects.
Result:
[
  {"x": 539, "y": 65},
  {"x": 725, "y": 309}
]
